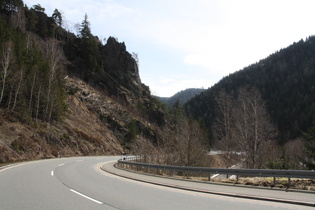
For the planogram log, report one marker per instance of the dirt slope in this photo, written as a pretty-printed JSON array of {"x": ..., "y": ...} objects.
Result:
[{"x": 95, "y": 125}]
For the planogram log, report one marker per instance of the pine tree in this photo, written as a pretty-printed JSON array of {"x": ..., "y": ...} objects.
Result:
[
  {"x": 85, "y": 30},
  {"x": 57, "y": 17},
  {"x": 88, "y": 47}
]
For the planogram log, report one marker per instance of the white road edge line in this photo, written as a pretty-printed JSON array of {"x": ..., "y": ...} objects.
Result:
[
  {"x": 61, "y": 164},
  {"x": 87, "y": 197},
  {"x": 52, "y": 173}
]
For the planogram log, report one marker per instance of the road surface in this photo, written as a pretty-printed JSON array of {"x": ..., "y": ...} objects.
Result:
[{"x": 78, "y": 183}]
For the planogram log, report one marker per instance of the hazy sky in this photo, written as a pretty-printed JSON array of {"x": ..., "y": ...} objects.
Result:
[{"x": 192, "y": 43}]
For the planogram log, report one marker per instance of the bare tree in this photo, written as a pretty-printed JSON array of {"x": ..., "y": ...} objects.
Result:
[
  {"x": 38, "y": 103},
  {"x": 6, "y": 61},
  {"x": 253, "y": 128},
  {"x": 190, "y": 143},
  {"x": 14, "y": 84},
  {"x": 223, "y": 127},
  {"x": 33, "y": 74},
  {"x": 18, "y": 88},
  {"x": 54, "y": 57},
  {"x": 30, "y": 104}
]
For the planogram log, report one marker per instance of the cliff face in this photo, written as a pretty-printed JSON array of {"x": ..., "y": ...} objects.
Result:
[
  {"x": 120, "y": 63},
  {"x": 120, "y": 72}
]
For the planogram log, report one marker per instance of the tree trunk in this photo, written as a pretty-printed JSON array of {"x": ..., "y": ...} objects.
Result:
[
  {"x": 6, "y": 62},
  {"x": 18, "y": 89}
]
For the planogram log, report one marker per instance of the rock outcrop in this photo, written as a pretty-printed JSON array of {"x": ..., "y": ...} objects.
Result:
[{"x": 120, "y": 76}]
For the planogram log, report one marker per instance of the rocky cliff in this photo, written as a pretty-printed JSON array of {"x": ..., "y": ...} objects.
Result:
[
  {"x": 120, "y": 71},
  {"x": 70, "y": 94}
]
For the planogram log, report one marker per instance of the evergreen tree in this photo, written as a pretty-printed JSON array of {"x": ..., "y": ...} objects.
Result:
[
  {"x": 57, "y": 17},
  {"x": 85, "y": 30},
  {"x": 132, "y": 131},
  {"x": 39, "y": 8}
]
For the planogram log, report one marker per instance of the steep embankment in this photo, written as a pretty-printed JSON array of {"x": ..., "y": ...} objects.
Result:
[
  {"x": 81, "y": 132},
  {"x": 95, "y": 124}
]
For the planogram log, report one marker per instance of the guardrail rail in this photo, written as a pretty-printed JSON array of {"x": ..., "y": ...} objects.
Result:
[{"x": 135, "y": 163}]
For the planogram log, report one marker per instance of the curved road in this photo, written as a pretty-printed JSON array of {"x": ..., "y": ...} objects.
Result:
[{"x": 78, "y": 183}]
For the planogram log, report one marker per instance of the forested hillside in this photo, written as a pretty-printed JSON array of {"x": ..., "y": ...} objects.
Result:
[{"x": 286, "y": 82}]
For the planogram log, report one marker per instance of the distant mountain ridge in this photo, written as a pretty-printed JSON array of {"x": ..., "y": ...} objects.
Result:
[{"x": 183, "y": 96}]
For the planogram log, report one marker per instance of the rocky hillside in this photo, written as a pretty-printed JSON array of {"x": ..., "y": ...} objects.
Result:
[
  {"x": 80, "y": 133},
  {"x": 95, "y": 124},
  {"x": 67, "y": 95}
]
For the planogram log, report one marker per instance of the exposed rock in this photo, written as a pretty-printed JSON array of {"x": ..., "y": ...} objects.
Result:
[
  {"x": 121, "y": 74},
  {"x": 96, "y": 124}
]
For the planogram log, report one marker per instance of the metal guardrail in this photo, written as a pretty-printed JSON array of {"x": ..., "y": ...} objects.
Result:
[{"x": 205, "y": 170}]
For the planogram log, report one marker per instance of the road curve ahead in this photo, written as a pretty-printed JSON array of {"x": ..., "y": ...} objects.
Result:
[{"x": 78, "y": 183}]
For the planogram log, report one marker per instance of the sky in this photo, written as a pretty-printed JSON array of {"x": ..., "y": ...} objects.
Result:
[{"x": 191, "y": 43}]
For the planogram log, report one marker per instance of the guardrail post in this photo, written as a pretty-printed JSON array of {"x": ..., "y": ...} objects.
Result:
[
  {"x": 289, "y": 182},
  {"x": 209, "y": 177},
  {"x": 274, "y": 181}
]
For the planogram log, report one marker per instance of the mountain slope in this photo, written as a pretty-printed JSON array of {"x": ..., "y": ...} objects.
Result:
[
  {"x": 183, "y": 96},
  {"x": 69, "y": 95},
  {"x": 286, "y": 81}
]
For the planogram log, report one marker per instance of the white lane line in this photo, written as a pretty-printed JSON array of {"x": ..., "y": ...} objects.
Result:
[
  {"x": 87, "y": 197},
  {"x": 52, "y": 173},
  {"x": 61, "y": 164}
]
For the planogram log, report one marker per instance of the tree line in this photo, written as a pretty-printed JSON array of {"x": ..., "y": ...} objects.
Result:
[{"x": 32, "y": 68}]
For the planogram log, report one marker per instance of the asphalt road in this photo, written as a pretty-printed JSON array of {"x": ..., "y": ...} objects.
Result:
[{"x": 78, "y": 183}]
